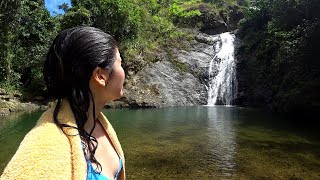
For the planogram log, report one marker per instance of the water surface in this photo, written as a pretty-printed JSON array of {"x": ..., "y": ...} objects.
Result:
[{"x": 205, "y": 142}]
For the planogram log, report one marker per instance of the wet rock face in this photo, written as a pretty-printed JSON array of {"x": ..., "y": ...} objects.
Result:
[
  {"x": 213, "y": 24},
  {"x": 165, "y": 83},
  {"x": 214, "y": 27},
  {"x": 173, "y": 88}
]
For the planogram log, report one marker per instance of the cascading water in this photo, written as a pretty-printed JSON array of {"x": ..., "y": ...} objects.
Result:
[{"x": 222, "y": 72}]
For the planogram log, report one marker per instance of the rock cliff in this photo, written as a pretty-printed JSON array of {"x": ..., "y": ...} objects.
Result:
[{"x": 178, "y": 79}]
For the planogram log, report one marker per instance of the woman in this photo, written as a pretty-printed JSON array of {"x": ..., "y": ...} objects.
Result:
[{"x": 73, "y": 139}]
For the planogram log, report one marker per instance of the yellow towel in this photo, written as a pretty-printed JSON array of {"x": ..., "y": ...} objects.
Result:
[{"x": 47, "y": 153}]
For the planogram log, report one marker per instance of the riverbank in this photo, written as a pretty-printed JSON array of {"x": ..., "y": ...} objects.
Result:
[{"x": 13, "y": 102}]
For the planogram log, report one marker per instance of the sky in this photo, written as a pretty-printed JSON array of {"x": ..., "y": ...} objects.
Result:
[{"x": 52, "y": 5}]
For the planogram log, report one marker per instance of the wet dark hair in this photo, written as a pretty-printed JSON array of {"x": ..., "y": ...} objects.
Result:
[{"x": 69, "y": 65}]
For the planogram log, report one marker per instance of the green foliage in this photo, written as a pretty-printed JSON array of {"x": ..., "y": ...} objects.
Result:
[
  {"x": 120, "y": 18},
  {"x": 141, "y": 26},
  {"x": 8, "y": 15},
  {"x": 162, "y": 26},
  {"x": 26, "y": 35},
  {"x": 277, "y": 40},
  {"x": 179, "y": 10},
  {"x": 184, "y": 13},
  {"x": 12, "y": 84},
  {"x": 76, "y": 17},
  {"x": 146, "y": 29}
]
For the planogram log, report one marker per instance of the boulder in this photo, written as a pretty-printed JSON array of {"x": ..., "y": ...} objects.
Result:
[
  {"x": 4, "y": 111},
  {"x": 2, "y": 92}
]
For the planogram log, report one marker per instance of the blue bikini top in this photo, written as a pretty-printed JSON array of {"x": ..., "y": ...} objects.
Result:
[{"x": 93, "y": 175}]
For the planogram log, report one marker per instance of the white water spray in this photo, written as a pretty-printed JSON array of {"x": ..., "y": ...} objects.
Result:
[{"x": 222, "y": 72}]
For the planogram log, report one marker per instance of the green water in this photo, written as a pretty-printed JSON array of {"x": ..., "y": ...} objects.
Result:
[
  {"x": 12, "y": 130},
  {"x": 199, "y": 143}
]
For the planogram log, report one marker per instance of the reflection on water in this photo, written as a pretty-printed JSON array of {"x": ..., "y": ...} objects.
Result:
[{"x": 221, "y": 135}]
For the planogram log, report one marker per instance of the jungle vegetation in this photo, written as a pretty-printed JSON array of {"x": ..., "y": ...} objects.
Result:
[
  {"x": 142, "y": 28},
  {"x": 279, "y": 51},
  {"x": 280, "y": 54}
]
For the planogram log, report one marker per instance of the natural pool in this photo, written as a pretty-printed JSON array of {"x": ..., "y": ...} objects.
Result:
[{"x": 205, "y": 142}]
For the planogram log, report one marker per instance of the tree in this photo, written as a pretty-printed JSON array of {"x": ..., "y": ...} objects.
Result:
[
  {"x": 26, "y": 30},
  {"x": 64, "y": 7},
  {"x": 8, "y": 13},
  {"x": 117, "y": 17}
]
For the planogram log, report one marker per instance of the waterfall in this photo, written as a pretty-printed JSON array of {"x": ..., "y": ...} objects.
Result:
[{"x": 222, "y": 72}]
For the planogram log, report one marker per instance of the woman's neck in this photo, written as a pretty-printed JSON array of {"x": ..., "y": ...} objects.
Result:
[{"x": 90, "y": 122}]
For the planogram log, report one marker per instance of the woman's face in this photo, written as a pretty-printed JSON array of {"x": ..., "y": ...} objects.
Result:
[{"x": 114, "y": 87}]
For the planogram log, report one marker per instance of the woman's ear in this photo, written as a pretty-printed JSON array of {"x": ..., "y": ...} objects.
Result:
[{"x": 99, "y": 76}]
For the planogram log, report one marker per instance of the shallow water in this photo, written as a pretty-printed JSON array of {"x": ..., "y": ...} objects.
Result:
[
  {"x": 205, "y": 142},
  {"x": 12, "y": 130}
]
